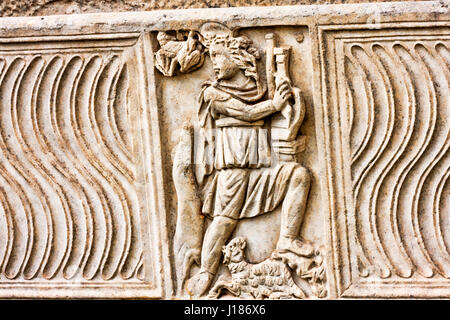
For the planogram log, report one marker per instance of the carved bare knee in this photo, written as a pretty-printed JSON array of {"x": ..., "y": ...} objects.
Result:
[{"x": 301, "y": 176}]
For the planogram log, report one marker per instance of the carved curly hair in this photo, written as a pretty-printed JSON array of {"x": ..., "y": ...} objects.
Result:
[{"x": 241, "y": 51}]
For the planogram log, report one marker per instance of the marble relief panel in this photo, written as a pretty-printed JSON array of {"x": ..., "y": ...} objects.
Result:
[{"x": 294, "y": 152}]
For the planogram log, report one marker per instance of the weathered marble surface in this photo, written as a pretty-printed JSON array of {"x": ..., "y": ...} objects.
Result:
[
  {"x": 49, "y": 7},
  {"x": 101, "y": 190}
]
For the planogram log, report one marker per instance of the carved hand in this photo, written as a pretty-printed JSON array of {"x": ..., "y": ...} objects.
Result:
[{"x": 283, "y": 92}]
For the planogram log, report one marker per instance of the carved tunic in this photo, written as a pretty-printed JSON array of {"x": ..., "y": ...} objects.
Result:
[{"x": 242, "y": 182}]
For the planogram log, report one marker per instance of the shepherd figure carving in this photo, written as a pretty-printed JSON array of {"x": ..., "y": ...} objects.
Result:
[{"x": 244, "y": 161}]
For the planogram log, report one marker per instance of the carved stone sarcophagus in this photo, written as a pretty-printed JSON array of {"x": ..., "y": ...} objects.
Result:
[{"x": 297, "y": 152}]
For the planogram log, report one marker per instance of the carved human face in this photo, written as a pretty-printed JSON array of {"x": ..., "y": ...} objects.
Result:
[{"x": 223, "y": 65}]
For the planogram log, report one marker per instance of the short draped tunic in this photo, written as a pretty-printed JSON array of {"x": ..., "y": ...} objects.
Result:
[
  {"x": 233, "y": 163},
  {"x": 237, "y": 143}
]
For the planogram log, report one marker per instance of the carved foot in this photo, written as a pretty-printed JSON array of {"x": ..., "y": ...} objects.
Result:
[
  {"x": 295, "y": 246},
  {"x": 199, "y": 283}
]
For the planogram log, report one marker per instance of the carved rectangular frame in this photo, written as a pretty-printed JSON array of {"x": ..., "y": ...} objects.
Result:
[
  {"x": 324, "y": 23},
  {"x": 131, "y": 44},
  {"x": 341, "y": 216}
]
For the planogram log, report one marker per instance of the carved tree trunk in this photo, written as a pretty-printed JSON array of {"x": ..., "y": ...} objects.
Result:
[{"x": 189, "y": 228}]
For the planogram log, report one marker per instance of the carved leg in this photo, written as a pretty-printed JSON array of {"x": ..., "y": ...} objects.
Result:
[
  {"x": 215, "y": 238},
  {"x": 223, "y": 284},
  {"x": 173, "y": 64},
  {"x": 214, "y": 293},
  {"x": 292, "y": 213},
  {"x": 278, "y": 295}
]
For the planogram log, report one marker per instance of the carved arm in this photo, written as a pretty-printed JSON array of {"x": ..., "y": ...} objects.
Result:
[{"x": 242, "y": 111}]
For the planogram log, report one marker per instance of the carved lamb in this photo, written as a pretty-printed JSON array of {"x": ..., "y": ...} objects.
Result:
[{"x": 269, "y": 279}]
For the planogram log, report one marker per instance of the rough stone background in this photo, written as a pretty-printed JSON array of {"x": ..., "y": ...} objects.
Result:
[{"x": 50, "y": 7}]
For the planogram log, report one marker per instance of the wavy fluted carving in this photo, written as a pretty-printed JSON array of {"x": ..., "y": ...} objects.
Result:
[
  {"x": 398, "y": 93},
  {"x": 68, "y": 204}
]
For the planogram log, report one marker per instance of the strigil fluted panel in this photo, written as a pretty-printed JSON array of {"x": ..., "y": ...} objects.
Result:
[
  {"x": 400, "y": 138},
  {"x": 69, "y": 206}
]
